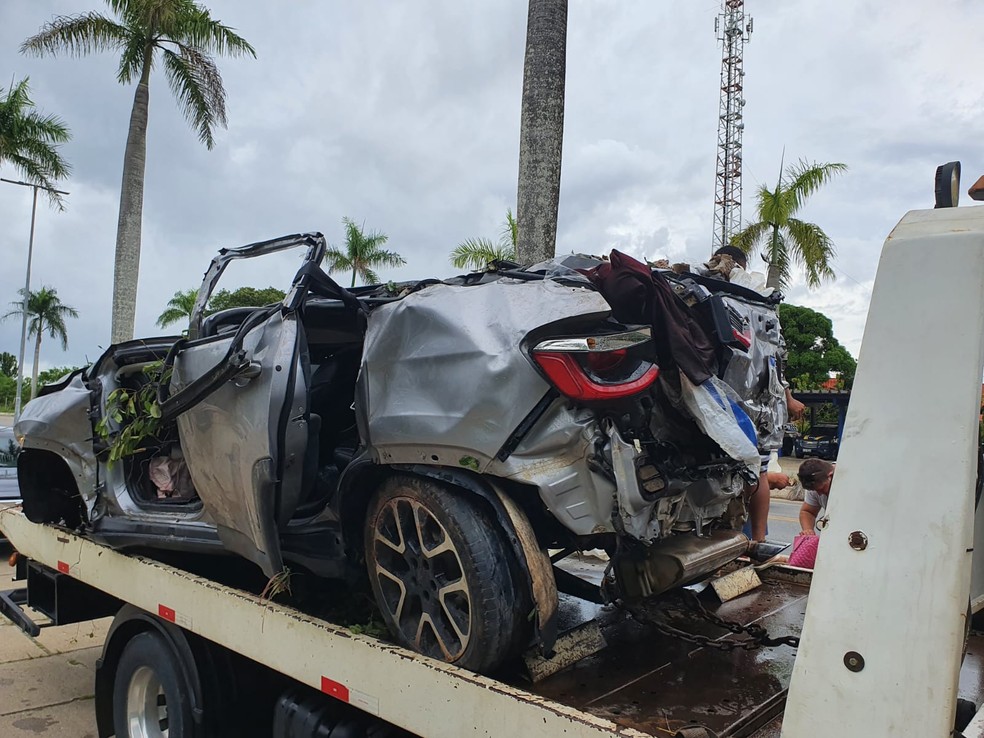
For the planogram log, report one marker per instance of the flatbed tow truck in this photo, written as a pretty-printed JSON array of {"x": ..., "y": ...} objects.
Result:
[{"x": 886, "y": 647}]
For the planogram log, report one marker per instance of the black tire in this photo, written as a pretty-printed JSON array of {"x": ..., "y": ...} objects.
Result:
[
  {"x": 481, "y": 620},
  {"x": 149, "y": 678}
]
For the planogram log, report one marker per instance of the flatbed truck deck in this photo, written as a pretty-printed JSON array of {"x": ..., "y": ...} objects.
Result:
[{"x": 642, "y": 683}]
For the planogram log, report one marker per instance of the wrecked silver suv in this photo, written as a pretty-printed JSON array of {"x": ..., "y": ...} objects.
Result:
[{"x": 437, "y": 436}]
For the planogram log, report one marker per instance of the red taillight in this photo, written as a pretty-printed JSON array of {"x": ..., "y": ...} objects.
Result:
[
  {"x": 743, "y": 337},
  {"x": 601, "y": 362},
  {"x": 569, "y": 378}
]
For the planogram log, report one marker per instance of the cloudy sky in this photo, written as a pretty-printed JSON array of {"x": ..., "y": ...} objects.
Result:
[{"x": 405, "y": 116}]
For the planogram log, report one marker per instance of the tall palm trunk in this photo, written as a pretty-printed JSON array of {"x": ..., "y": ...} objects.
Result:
[
  {"x": 541, "y": 135},
  {"x": 774, "y": 273},
  {"x": 131, "y": 211},
  {"x": 37, "y": 358}
]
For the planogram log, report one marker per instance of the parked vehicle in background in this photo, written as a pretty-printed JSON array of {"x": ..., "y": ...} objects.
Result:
[
  {"x": 9, "y": 450},
  {"x": 790, "y": 434},
  {"x": 434, "y": 437},
  {"x": 821, "y": 441}
]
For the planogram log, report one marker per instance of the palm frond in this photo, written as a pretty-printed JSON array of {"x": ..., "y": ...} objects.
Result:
[
  {"x": 811, "y": 247},
  {"x": 133, "y": 58},
  {"x": 29, "y": 139},
  {"x": 805, "y": 178},
  {"x": 381, "y": 257},
  {"x": 478, "y": 253},
  {"x": 336, "y": 260},
  {"x": 772, "y": 205},
  {"x": 510, "y": 231},
  {"x": 32, "y": 170},
  {"x": 78, "y": 35},
  {"x": 47, "y": 128},
  {"x": 130, "y": 11},
  {"x": 368, "y": 276},
  {"x": 200, "y": 30},
  {"x": 179, "y": 307},
  {"x": 196, "y": 83},
  {"x": 748, "y": 238},
  {"x": 46, "y": 157}
]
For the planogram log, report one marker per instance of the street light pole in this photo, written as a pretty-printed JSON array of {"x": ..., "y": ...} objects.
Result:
[{"x": 27, "y": 288}]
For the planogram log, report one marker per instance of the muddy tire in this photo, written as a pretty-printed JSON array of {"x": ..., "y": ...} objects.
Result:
[{"x": 443, "y": 574}]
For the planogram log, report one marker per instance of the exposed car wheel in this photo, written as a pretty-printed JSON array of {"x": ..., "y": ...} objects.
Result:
[
  {"x": 150, "y": 697},
  {"x": 798, "y": 454},
  {"x": 443, "y": 575}
]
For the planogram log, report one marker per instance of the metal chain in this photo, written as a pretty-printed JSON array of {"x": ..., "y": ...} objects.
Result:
[{"x": 757, "y": 635}]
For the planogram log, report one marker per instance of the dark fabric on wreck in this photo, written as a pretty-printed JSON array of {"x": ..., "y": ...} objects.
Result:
[{"x": 637, "y": 294}]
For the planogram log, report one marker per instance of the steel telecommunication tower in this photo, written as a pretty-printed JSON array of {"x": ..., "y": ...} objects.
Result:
[{"x": 733, "y": 33}]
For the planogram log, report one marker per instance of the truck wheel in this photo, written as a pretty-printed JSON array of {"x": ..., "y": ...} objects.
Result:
[
  {"x": 150, "y": 697},
  {"x": 443, "y": 575}
]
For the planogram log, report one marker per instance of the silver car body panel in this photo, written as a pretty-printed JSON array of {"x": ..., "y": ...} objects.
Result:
[
  {"x": 59, "y": 422},
  {"x": 754, "y": 374},
  {"x": 442, "y": 374},
  {"x": 554, "y": 457},
  {"x": 231, "y": 439}
]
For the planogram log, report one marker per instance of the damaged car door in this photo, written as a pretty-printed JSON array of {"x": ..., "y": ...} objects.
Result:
[{"x": 239, "y": 395}]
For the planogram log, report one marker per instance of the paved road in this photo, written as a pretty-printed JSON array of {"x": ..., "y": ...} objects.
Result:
[
  {"x": 783, "y": 520},
  {"x": 8, "y": 489}
]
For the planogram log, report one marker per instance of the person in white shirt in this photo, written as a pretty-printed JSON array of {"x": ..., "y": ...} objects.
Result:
[{"x": 816, "y": 477}]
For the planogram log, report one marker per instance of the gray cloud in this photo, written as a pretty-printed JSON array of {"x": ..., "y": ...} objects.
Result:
[{"x": 406, "y": 116}]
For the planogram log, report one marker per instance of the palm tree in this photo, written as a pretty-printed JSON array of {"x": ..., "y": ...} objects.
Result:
[
  {"x": 29, "y": 140},
  {"x": 183, "y": 36},
  {"x": 45, "y": 312},
  {"x": 541, "y": 134},
  {"x": 179, "y": 308},
  {"x": 788, "y": 240},
  {"x": 478, "y": 253},
  {"x": 362, "y": 253}
]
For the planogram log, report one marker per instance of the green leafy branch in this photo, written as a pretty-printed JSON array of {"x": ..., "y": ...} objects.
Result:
[{"x": 133, "y": 415}]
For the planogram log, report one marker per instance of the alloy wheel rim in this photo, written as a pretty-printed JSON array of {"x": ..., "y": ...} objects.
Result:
[
  {"x": 146, "y": 707},
  {"x": 421, "y": 579}
]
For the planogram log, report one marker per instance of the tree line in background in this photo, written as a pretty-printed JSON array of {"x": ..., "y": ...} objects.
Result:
[
  {"x": 8, "y": 380},
  {"x": 814, "y": 356}
]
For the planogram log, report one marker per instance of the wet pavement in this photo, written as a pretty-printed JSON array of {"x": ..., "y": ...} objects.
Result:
[{"x": 46, "y": 683}]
